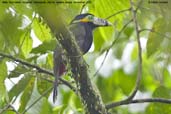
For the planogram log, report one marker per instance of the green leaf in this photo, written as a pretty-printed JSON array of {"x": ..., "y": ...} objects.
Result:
[
  {"x": 160, "y": 108},
  {"x": 3, "y": 74},
  {"x": 2, "y": 40},
  {"x": 43, "y": 85},
  {"x": 115, "y": 86},
  {"x": 23, "y": 10},
  {"x": 49, "y": 60},
  {"x": 130, "y": 82},
  {"x": 98, "y": 40},
  {"x": 128, "y": 31},
  {"x": 46, "y": 107},
  {"x": 19, "y": 87},
  {"x": 166, "y": 78},
  {"x": 156, "y": 37},
  {"x": 163, "y": 92},
  {"x": 3, "y": 71},
  {"x": 59, "y": 109},
  {"x": 17, "y": 71},
  {"x": 9, "y": 27},
  {"x": 9, "y": 112},
  {"x": 26, "y": 44},
  {"x": 42, "y": 32},
  {"x": 103, "y": 9},
  {"x": 26, "y": 95},
  {"x": 2, "y": 11},
  {"x": 45, "y": 46}
]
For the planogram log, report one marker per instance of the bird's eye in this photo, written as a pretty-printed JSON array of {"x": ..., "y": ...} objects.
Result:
[{"x": 90, "y": 17}]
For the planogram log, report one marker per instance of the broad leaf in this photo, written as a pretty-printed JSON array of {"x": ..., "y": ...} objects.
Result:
[
  {"x": 42, "y": 32},
  {"x": 17, "y": 71},
  {"x": 43, "y": 84},
  {"x": 45, "y": 47},
  {"x": 159, "y": 108},
  {"x": 19, "y": 87},
  {"x": 156, "y": 36},
  {"x": 26, "y": 95},
  {"x": 26, "y": 44},
  {"x": 3, "y": 74}
]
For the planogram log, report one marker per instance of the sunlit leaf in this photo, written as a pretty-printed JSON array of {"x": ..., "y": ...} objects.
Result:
[
  {"x": 158, "y": 108},
  {"x": 19, "y": 87},
  {"x": 46, "y": 107},
  {"x": 17, "y": 71},
  {"x": 42, "y": 32},
  {"x": 26, "y": 44},
  {"x": 50, "y": 60},
  {"x": 162, "y": 92},
  {"x": 45, "y": 47},
  {"x": 3, "y": 74},
  {"x": 26, "y": 95},
  {"x": 43, "y": 85},
  {"x": 3, "y": 71},
  {"x": 10, "y": 29},
  {"x": 103, "y": 9},
  {"x": 156, "y": 37}
]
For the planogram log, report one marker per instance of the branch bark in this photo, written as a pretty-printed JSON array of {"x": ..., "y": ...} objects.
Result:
[
  {"x": 139, "y": 75},
  {"x": 145, "y": 100},
  {"x": 39, "y": 69}
]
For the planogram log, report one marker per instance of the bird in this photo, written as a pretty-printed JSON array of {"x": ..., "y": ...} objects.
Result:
[{"x": 81, "y": 27}]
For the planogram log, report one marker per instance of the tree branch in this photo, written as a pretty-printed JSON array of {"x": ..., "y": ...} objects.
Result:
[
  {"x": 151, "y": 30},
  {"x": 145, "y": 100},
  {"x": 139, "y": 74},
  {"x": 39, "y": 69}
]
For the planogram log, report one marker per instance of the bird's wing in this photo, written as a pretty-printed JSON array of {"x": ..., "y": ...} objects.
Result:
[{"x": 79, "y": 32}]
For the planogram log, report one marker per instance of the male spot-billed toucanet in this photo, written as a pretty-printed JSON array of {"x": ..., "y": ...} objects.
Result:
[{"x": 82, "y": 27}]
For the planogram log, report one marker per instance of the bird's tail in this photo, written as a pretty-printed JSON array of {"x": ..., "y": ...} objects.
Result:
[{"x": 58, "y": 69}]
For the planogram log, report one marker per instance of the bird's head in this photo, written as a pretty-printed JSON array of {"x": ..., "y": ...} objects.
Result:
[{"x": 90, "y": 19}]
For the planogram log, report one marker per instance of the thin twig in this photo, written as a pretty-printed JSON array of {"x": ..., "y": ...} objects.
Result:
[
  {"x": 113, "y": 43},
  {"x": 145, "y": 100},
  {"x": 139, "y": 74},
  {"x": 4, "y": 108},
  {"x": 13, "y": 109},
  {"x": 117, "y": 37},
  {"x": 39, "y": 69},
  {"x": 121, "y": 11},
  {"x": 151, "y": 30},
  {"x": 8, "y": 107},
  {"x": 97, "y": 71},
  {"x": 84, "y": 6}
]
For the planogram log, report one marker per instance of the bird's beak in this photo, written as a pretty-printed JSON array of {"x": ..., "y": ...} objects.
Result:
[
  {"x": 101, "y": 22},
  {"x": 96, "y": 21}
]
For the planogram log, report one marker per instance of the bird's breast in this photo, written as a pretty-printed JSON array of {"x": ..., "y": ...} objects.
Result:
[{"x": 83, "y": 36}]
